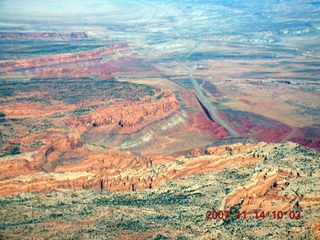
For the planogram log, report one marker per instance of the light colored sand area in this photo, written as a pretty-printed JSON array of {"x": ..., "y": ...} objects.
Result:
[
  {"x": 26, "y": 155},
  {"x": 55, "y": 176}
]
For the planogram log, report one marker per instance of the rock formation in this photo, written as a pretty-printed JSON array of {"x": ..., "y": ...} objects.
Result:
[
  {"x": 116, "y": 171},
  {"x": 38, "y": 63},
  {"x": 316, "y": 230},
  {"x": 127, "y": 117},
  {"x": 267, "y": 195}
]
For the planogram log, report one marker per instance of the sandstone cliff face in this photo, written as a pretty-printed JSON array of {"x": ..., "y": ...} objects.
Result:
[
  {"x": 268, "y": 195},
  {"x": 113, "y": 171},
  {"x": 44, "y": 181},
  {"x": 110, "y": 171},
  {"x": 316, "y": 230},
  {"x": 64, "y": 143},
  {"x": 54, "y": 153},
  {"x": 118, "y": 171},
  {"x": 127, "y": 117},
  {"x": 102, "y": 171},
  {"x": 13, "y": 168},
  {"x": 37, "y": 63},
  {"x": 46, "y": 159}
]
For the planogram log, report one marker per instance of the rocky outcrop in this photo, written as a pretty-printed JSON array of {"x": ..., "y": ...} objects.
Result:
[
  {"x": 116, "y": 171},
  {"x": 102, "y": 171},
  {"x": 71, "y": 73},
  {"x": 127, "y": 117},
  {"x": 225, "y": 150},
  {"x": 267, "y": 195},
  {"x": 196, "y": 152},
  {"x": 316, "y": 230},
  {"x": 110, "y": 171},
  {"x": 36, "y": 63},
  {"x": 13, "y": 168},
  {"x": 64, "y": 72},
  {"x": 57, "y": 149},
  {"x": 44, "y": 181}
]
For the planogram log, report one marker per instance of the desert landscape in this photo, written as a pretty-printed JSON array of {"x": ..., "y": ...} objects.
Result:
[{"x": 159, "y": 120}]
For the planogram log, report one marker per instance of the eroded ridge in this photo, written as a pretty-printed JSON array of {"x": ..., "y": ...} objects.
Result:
[
  {"x": 116, "y": 171},
  {"x": 48, "y": 61}
]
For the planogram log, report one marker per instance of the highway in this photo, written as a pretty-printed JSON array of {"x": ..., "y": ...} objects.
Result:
[{"x": 203, "y": 99}]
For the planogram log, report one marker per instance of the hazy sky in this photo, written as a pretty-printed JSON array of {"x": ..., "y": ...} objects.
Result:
[{"x": 37, "y": 14}]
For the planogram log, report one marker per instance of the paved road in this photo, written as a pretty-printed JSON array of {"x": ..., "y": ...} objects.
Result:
[{"x": 203, "y": 99}]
